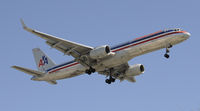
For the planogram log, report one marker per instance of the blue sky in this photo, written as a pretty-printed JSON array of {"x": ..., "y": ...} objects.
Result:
[{"x": 167, "y": 85}]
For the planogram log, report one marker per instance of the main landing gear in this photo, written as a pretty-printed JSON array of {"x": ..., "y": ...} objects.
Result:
[
  {"x": 90, "y": 71},
  {"x": 167, "y": 51},
  {"x": 111, "y": 79}
]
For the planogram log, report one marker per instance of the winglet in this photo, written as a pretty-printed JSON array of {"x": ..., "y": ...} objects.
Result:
[{"x": 24, "y": 26}]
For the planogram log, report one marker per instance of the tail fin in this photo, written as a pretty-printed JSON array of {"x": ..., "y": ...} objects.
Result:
[{"x": 43, "y": 62}]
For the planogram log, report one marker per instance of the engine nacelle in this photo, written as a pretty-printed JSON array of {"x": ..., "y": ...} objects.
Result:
[
  {"x": 100, "y": 52},
  {"x": 135, "y": 70}
]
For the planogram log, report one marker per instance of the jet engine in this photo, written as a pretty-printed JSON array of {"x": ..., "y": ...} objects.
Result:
[
  {"x": 135, "y": 70},
  {"x": 100, "y": 52}
]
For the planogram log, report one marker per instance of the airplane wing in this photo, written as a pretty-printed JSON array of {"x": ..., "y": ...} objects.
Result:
[{"x": 65, "y": 46}]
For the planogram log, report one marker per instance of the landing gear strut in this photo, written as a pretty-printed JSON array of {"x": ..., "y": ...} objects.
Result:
[
  {"x": 90, "y": 71},
  {"x": 111, "y": 79},
  {"x": 167, "y": 51}
]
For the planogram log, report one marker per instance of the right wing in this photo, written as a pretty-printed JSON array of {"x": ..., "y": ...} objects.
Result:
[{"x": 65, "y": 46}]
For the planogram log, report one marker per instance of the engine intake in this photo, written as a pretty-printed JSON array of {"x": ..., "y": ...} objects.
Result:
[
  {"x": 100, "y": 52},
  {"x": 135, "y": 70}
]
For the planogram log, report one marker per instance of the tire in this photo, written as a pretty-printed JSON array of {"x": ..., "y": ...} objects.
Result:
[
  {"x": 166, "y": 56},
  {"x": 93, "y": 70},
  {"x": 112, "y": 80},
  {"x": 88, "y": 72},
  {"x": 108, "y": 81}
]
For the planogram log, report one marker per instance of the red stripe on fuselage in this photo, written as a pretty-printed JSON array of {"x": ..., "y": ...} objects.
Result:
[
  {"x": 64, "y": 67},
  {"x": 125, "y": 47}
]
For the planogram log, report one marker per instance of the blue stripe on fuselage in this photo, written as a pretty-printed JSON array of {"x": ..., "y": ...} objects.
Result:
[{"x": 61, "y": 65}]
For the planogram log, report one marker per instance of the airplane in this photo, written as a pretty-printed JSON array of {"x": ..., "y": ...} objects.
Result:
[{"x": 109, "y": 61}]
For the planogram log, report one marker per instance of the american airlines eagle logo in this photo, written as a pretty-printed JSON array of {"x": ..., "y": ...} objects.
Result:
[{"x": 43, "y": 61}]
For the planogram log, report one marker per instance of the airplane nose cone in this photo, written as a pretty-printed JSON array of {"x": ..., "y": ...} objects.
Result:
[{"x": 187, "y": 35}]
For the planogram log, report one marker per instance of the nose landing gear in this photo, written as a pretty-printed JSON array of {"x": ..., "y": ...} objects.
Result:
[{"x": 166, "y": 55}]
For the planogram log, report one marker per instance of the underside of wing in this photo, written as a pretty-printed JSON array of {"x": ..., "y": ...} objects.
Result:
[
  {"x": 65, "y": 46},
  {"x": 117, "y": 71}
]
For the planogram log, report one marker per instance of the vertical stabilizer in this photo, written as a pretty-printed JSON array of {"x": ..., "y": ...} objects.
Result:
[{"x": 43, "y": 62}]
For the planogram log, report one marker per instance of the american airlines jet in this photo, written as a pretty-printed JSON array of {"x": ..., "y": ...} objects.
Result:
[{"x": 109, "y": 61}]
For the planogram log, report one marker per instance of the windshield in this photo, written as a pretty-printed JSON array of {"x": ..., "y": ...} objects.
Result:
[{"x": 169, "y": 30}]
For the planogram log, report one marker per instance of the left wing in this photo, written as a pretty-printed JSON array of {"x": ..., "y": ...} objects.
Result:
[{"x": 65, "y": 46}]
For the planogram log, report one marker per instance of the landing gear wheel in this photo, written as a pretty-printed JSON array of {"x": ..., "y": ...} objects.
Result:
[
  {"x": 166, "y": 56},
  {"x": 88, "y": 72},
  {"x": 112, "y": 79},
  {"x": 108, "y": 81},
  {"x": 170, "y": 46},
  {"x": 92, "y": 70}
]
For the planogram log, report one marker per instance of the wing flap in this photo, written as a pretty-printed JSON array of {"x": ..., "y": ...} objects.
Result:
[{"x": 28, "y": 71}]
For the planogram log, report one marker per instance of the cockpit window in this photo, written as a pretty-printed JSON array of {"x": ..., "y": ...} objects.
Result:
[
  {"x": 169, "y": 30},
  {"x": 177, "y": 29}
]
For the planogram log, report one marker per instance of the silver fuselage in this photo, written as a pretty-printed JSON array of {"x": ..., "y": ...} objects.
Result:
[{"x": 122, "y": 54}]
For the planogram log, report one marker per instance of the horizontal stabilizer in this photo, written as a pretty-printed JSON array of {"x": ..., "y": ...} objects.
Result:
[
  {"x": 33, "y": 73},
  {"x": 28, "y": 71}
]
